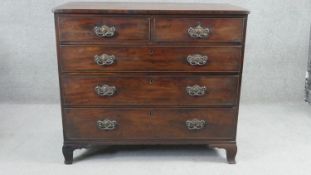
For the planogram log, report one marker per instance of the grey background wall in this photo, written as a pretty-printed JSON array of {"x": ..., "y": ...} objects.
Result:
[{"x": 275, "y": 58}]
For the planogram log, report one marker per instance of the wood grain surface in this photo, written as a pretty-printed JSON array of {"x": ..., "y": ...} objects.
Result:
[
  {"x": 149, "y": 123},
  {"x": 80, "y": 58}
]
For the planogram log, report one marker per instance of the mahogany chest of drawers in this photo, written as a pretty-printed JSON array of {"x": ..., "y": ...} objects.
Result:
[{"x": 142, "y": 73}]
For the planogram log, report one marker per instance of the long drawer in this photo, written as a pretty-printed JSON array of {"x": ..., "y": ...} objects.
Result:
[
  {"x": 126, "y": 59},
  {"x": 179, "y": 90},
  {"x": 149, "y": 123}
]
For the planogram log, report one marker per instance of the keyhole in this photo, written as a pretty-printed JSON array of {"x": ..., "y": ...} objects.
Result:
[
  {"x": 151, "y": 51},
  {"x": 150, "y": 113},
  {"x": 150, "y": 81}
]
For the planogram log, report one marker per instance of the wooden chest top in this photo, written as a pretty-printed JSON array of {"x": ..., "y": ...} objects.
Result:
[{"x": 148, "y": 8}]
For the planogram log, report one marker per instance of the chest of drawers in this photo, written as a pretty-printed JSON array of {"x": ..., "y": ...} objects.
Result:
[{"x": 142, "y": 73}]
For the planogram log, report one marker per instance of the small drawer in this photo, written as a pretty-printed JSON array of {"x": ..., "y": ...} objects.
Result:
[
  {"x": 198, "y": 29},
  {"x": 149, "y": 123},
  {"x": 181, "y": 90},
  {"x": 148, "y": 59},
  {"x": 102, "y": 28}
]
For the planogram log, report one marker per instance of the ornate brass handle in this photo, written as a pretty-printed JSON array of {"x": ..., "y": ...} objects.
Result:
[
  {"x": 197, "y": 59},
  {"x": 104, "y": 31},
  {"x": 104, "y": 59},
  {"x": 105, "y": 90},
  {"x": 107, "y": 124},
  {"x": 196, "y": 90},
  {"x": 198, "y": 31},
  {"x": 195, "y": 124}
]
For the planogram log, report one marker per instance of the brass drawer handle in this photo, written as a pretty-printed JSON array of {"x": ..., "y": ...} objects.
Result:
[
  {"x": 105, "y": 60},
  {"x": 196, "y": 90},
  {"x": 198, "y": 31},
  {"x": 107, "y": 124},
  {"x": 105, "y": 31},
  {"x": 197, "y": 59},
  {"x": 195, "y": 124},
  {"x": 105, "y": 90}
]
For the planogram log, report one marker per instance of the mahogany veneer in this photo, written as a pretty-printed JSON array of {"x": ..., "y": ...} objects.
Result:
[
  {"x": 150, "y": 59},
  {"x": 150, "y": 73},
  {"x": 150, "y": 90}
]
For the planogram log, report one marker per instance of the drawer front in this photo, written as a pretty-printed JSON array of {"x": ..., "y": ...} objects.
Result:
[
  {"x": 150, "y": 90},
  {"x": 198, "y": 29},
  {"x": 207, "y": 123},
  {"x": 102, "y": 28},
  {"x": 83, "y": 123},
  {"x": 149, "y": 123},
  {"x": 126, "y": 59}
]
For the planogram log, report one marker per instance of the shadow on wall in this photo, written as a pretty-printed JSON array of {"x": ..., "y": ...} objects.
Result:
[
  {"x": 308, "y": 84},
  {"x": 308, "y": 76}
]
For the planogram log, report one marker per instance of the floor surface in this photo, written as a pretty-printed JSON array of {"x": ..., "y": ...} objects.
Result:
[{"x": 272, "y": 139}]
